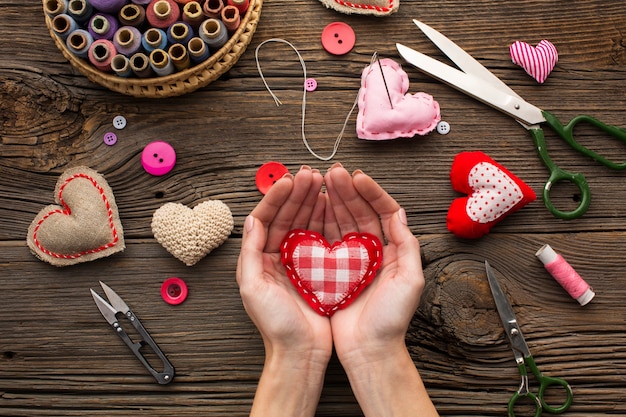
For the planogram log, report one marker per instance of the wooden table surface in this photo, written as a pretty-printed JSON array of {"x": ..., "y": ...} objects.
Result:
[{"x": 59, "y": 358}]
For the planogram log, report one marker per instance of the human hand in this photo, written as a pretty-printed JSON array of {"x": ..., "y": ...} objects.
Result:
[
  {"x": 369, "y": 334},
  {"x": 298, "y": 341}
]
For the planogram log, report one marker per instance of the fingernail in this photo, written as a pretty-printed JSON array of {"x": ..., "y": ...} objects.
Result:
[
  {"x": 287, "y": 175},
  {"x": 335, "y": 165},
  {"x": 402, "y": 216},
  {"x": 249, "y": 223},
  {"x": 358, "y": 171},
  {"x": 303, "y": 167}
]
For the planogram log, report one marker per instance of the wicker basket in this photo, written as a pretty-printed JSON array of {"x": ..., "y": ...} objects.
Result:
[{"x": 178, "y": 83}]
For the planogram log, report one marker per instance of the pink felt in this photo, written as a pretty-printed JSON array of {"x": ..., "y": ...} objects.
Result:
[{"x": 397, "y": 114}]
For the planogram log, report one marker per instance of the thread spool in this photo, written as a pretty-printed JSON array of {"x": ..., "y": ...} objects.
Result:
[
  {"x": 179, "y": 56},
  {"x": 179, "y": 32},
  {"x": 214, "y": 33},
  {"x": 213, "y": 8},
  {"x": 565, "y": 275},
  {"x": 63, "y": 25},
  {"x": 120, "y": 65},
  {"x": 80, "y": 10},
  {"x": 162, "y": 13},
  {"x": 231, "y": 18},
  {"x": 108, "y": 6},
  {"x": 132, "y": 15},
  {"x": 198, "y": 50},
  {"x": 192, "y": 14},
  {"x": 103, "y": 26},
  {"x": 55, "y": 7},
  {"x": 101, "y": 53},
  {"x": 79, "y": 43},
  {"x": 161, "y": 63},
  {"x": 241, "y": 5},
  {"x": 127, "y": 40},
  {"x": 154, "y": 38},
  {"x": 140, "y": 65}
]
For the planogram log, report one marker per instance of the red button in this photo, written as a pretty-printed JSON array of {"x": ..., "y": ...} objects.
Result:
[
  {"x": 338, "y": 38},
  {"x": 174, "y": 291},
  {"x": 268, "y": 174}
]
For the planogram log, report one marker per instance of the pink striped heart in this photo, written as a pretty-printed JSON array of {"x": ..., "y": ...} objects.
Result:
[{"x": 537, "y": 61}]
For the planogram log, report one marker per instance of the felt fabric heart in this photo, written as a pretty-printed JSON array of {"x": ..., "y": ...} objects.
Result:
[
  {"x": 84, "y": 224},
  {"x": 367, "y": 7},
  {"x": 190, "y": 234},
  {"x": 397, "y": 114},
  {"x": 538, "y": 62},
  {"x": 330, "y": 277},
  {"x": 493, "y": 193}
]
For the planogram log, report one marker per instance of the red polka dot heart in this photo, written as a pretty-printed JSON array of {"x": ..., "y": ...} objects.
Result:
[{"x": 493, "y": 193}]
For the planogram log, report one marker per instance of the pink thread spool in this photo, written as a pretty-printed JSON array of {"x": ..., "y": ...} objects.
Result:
[{"x": 565, "y": 275}]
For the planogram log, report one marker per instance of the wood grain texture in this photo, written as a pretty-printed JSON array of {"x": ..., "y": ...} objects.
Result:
[{"x": 57, "y": 356}]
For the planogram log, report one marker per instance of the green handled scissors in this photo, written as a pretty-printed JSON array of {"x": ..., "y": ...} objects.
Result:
[
  {"x": 478, "y": 82},
  {"x": 524, "y": 358}
]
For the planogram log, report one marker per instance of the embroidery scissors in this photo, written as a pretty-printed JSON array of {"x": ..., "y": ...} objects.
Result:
[
  {"x": 110, "y": 311},
  {"x": 524, "y": 358},
  {"x": 478, "y": 82}
]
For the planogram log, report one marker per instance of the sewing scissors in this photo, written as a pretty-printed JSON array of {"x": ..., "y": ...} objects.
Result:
[
  {"x": 478, "y": 82},
  {"x": 110, "y": 311},
  {"x": 524, "y": 358}
]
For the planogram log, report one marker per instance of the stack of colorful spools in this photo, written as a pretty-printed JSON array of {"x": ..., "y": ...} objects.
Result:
[{"x": 145, "y": 38}]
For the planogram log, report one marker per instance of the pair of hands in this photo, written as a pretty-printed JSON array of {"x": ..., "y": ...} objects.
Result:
[{"x": 373, "y": 327}]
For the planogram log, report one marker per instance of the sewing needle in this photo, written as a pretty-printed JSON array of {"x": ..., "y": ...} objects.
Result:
[{"x": 384, "y": 80}]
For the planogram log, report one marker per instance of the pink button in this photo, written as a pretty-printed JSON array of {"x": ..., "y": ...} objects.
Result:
[
  {"x": 338, "y": 38},
  {"x": 174, "y": 291},
  {"x": 310, "y": 84},
  {"x": 110, "y": 138},
  {"x": 158, "y": 158},
  {"x": 268, "y": 174}
]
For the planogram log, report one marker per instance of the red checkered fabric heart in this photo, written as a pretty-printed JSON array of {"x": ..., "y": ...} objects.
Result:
[{"x": 329, "y": 277}]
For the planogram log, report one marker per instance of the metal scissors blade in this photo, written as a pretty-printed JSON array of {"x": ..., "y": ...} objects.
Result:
[
  {"x": 110, "y": 309},
  {"x": 474, "y": 82},
  {"x": 509, "y": 321}
]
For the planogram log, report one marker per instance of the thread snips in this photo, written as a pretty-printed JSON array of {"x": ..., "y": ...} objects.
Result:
[{"x": 110, "y": 311}]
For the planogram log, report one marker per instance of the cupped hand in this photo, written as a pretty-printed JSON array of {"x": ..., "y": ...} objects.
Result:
[
  {"x": 378, "y": 319},
  {"x": 286, "y": 322}
]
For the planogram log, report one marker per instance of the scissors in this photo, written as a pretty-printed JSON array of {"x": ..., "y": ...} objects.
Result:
[
  {"x": 524, "y": 358},
  {"x": 478, "y": 82},
  {"x": 110, "y": 311}
]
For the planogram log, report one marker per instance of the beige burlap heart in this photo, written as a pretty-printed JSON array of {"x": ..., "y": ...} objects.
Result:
[
  {"x": 83, "y": 226},
  {"x": 190, "y": 234},
  {"x": 368, "y": 7}
]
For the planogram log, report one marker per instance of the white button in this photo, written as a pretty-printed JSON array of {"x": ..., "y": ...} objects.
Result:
[
  {"x": 443, "y": 127},
  {"x": 119, "y": 122}
]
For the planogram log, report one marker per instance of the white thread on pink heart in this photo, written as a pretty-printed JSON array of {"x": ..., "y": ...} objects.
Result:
[
  {"x": 538, "y": 62},
  {"x": 495, "y": 193}
]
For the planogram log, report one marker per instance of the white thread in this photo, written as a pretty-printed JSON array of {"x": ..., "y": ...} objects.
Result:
[{"x": 278, "y": 102}]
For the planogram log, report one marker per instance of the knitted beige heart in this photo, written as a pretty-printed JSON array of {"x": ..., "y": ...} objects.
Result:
[{"x": 191, "y": 234}]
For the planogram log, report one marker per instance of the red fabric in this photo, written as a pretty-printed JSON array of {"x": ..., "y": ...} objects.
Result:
[
  {"x": 493, "y": 193},
  {"x": 329, "y": 277}
]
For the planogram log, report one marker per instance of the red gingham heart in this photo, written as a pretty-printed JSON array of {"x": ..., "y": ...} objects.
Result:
[
  {"x": 329, "y": 277},
  {"x": 537, "y": 61}
]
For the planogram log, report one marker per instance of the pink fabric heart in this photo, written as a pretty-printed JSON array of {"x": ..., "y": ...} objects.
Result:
[
  {"x": 538, "y": 62},
  {"x": 397, "y": 114},
  {"x": 329, "y": 277}
]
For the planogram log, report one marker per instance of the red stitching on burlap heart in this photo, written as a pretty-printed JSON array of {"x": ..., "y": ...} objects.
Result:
[
  {"x": 367, "y": 7},
  {"x": 330, "y": 277},
  {"x": 493, "y": 193},
  {"x": 538, "y": 62},
  {"x": 84, "y": 226}
]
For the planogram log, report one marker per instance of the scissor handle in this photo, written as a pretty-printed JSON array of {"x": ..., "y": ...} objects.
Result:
[
  {"x": 567, "y": 133},
  {"x": 559, "y": 175}
]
